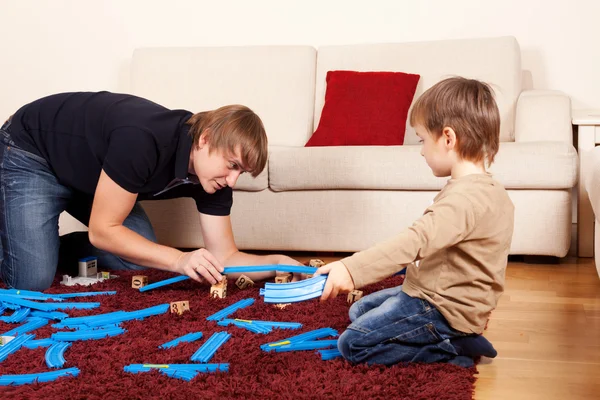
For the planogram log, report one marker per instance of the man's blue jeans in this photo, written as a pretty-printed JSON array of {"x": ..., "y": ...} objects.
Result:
[
  {"x": 31, "y": 200},
  {"x": 389, "y": 327}
]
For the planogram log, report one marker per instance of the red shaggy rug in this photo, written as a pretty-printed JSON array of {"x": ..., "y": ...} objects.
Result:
[{"x": 252, "y": 372}]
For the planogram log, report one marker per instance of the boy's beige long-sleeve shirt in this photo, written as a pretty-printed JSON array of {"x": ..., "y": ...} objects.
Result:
[{"x": 462, "y": 241}]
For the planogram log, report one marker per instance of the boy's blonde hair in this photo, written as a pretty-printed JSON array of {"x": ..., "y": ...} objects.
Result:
[
  {"x": 468, "y": 107},
  {"x": 230, "y": 127}
]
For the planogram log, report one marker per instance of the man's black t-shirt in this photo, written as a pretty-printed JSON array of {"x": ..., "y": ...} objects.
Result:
[{"x": 142, "y": 146}]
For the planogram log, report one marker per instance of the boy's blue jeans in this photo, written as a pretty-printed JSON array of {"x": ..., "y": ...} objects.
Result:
[
  {"x": 31, "y": 200},
  {"x": 389, "y": 327}
]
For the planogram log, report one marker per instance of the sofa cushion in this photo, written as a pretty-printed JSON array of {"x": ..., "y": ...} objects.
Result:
[
  {"x": 530, "y": 165},
  {"x": 249, "y": 184},
  {"x": 276, "y": 82},
  {"x": 365, "y": 108},
  {"x": 496, "y": 61}
]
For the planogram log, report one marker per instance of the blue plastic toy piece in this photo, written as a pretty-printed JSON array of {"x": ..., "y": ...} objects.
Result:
[
  {"x": 54, "y": 315},
  {"x": 68, "y": 322},
  {"x": 246, "y": 325},
  {"x": 90, "y": 334},
  {"x": 13, "y": 346},
  {"x": 311, "y": 335},
  {"x": 190, "y": 337},
  {"x": 298, "y": 269},
  {"x": 329, "y": 354},
  {"x": 295, "y": 291},
  {"x": 308, "y": 345},
  {"x": 116, "y": 317},
  {"x": 31, "y": 324},
  {"x": 224, "y": 313},
  {"x": 31, "y": 297},
  {"x": 85, "y": 294},
  {"x": 164, "y": 283},
  {"x": 45, "y": 306},
  {"x": 136, "y": 368},
  {"x": 18, "y": 316},
  {"x": 208, "y": 349},
  {"x": 6, "y": 380},
  {"x": 34, "y": 344},
  {"x": 271, "y": 324},
  {"x": 179, "y": 374},
  {"x": 55, "y": 355}
]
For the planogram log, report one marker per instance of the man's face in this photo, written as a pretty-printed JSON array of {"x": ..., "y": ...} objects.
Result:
[{"x": 215, "y": 170}]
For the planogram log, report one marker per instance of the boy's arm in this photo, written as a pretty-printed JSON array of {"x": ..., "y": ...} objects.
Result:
[{"x": 445, "y": 223}]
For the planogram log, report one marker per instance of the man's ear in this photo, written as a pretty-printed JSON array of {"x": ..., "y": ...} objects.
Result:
[{"x": 449, "y": 137}]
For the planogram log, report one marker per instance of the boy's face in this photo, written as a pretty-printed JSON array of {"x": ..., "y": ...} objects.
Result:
[
  {"x": 215, "y": 170},
  {"x": 437, "y": 152}
]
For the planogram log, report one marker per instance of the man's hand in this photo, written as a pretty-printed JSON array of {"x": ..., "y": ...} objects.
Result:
[
  {"x": 338, "y": 281},
  {"x": 200, "y": 264}
]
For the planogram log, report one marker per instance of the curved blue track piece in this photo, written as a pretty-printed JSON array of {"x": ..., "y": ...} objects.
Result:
[
  {"x": 55, "y": 354},
  {"x": 18, "y": 316},
  {"x": 190, "y": 337},
  {"x": 295, "y": 291},
  {"x": 13, "y": 345},
  {"x": 307, "y": 345},
  {"x": 34, "y": 344},
  {"x": 208, "y": 349},
  {"x": 55, "y": 315},
  {"x": 91, "y": 334},
  {"x": 31, "y": 324},
  {"x": 136, "y": 368},
  {"x": 311, "y": 335},
  {"x": 224, "y": 313},
  {"x": 329, "y": 354},
  {"x": 164, "y": 283},
  {"x": 6, "y": 380}
]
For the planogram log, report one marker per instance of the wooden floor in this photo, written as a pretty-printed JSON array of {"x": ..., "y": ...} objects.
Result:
[{"x": 546, "y": 329}]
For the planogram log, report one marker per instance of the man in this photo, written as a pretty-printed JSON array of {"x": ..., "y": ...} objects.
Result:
[{"x": 95, "y": 155}]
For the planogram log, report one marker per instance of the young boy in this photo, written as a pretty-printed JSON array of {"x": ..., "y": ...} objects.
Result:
[{"x": 459, "y": 246}]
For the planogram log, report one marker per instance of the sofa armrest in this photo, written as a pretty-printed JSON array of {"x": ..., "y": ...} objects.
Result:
[{"x": 543, "y": 115}]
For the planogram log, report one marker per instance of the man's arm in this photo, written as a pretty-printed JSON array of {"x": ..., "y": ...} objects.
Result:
[{"x": 218, "y": 240}]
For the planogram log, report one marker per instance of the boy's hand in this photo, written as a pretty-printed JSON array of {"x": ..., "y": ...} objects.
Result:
[{"x": 338, "y": 281}]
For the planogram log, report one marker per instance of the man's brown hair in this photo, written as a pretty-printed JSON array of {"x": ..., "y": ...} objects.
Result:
[
  {"x": 468, "y": 107},
  {"x": 230, "y": 127}
]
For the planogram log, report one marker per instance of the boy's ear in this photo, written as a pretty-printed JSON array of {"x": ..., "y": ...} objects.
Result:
[
  {"x": 203, "y": 139},
  {"x": 449, "y": 137}
]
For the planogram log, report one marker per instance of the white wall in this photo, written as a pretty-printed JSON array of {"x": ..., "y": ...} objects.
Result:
[{"x": 67, "y": 45}]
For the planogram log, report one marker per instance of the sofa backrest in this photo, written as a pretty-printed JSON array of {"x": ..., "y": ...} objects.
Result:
[
  {"x": 277, "y": 82},
  {"x": 496, "y": 61}
]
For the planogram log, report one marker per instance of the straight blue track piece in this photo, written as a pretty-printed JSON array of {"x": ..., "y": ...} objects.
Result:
[
  {"x": 31, "y": 324},
  {"x": 136, "y": 368},
  {"x": 246, "y": 325},
  {"x": 54, "y": 315},
  {"x": 190, "y": 337},
  {"x": 17, "y": 316},
  {"x": 6, "y": 380},
  {"x": 34, "y": 344},
  {"x": 224, "y": 313},
  {"x": 164, "y": 283},
  {"x": 32, "y": 297},
  {"x": 329, "y": 354},
  {"x": 208, "y": 349},
  {"x": 91, "y": 334},
  {"x": 30, "y": 294},
  {"x": 311, "y": 335},
  {"x": 55, "y": 354},
  {"x": 295, "y": 291},
  {"x": 116, "y": 317},
  {"x": 179, "y": 374},
  {"x": 85, "y": 294},
  {"x": 308, "y": 345},
  {"x": 13, "y": 346},
  {"x": 298, "y": 269},
  {"x": 83, "y": 320}
]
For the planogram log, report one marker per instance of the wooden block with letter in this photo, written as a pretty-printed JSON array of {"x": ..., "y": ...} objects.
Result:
[
  {"x": 139, "y": 281},
  {"x": 283, "y": 278},
  {"x": 219, "y": 289},
  {"x": 316, "y": 263},
  {"x": 354, "y": 296},
  {"x": 179, "y": 307},
  {"x": 243, "y": 282}
]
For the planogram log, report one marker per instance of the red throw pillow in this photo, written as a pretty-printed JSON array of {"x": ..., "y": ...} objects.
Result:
[{"x": 365, "y": 109}]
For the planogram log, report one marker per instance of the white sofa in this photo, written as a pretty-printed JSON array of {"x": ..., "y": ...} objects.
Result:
[{"x": 347, "y": 198}]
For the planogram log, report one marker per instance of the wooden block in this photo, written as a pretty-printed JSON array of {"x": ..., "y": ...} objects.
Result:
[
  {"x": 282, "y": 305},
  {"x": 243, "y": 282},
  {"x": 283, "y": 278},
  {"x": 354, "y": 296},
  {"x": 180, "y": 307},
  {"x": 139, "y": 281},
  {"x": 104, "y": 275},
  {"x": 218, "y": 291},
  {"x": 316, "y": 263}
]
